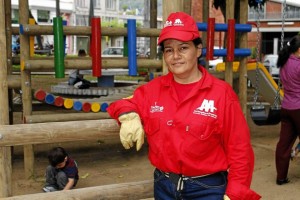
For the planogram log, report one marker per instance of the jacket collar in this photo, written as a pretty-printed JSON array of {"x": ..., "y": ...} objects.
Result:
[{"x": 205, "y": 82}]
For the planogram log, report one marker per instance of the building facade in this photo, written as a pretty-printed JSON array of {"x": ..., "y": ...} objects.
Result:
[
  {"x": 273, "y": 22},
  {"x": 77, "y": 13},
  {"x": 43, "y": 13}
]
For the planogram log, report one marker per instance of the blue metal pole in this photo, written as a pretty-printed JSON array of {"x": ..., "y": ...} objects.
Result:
[
  {"x": 223, "y": 52},
  {"x": 224, "y": 27},
  {"x": 131, "y": 34}
]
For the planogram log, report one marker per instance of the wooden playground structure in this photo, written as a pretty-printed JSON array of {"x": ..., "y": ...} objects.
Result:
[{"x": 42, "y": 129}]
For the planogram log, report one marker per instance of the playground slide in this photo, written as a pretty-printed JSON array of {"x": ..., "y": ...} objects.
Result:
[{"x": 266, "y": 84}]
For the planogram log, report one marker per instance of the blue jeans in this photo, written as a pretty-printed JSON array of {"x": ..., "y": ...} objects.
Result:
[{"x": 210, "y": 187}]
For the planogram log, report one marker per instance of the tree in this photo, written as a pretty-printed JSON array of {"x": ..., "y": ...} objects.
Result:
[
  {"x": 125, "y": 7},
  {"x": 222, "y": 5}
]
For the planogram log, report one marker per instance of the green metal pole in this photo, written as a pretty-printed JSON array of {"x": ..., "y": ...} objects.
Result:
[{"x": 59, "y": 51}]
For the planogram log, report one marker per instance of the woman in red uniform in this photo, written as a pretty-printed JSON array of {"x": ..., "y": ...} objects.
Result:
[{"x": 198, "y": 138}]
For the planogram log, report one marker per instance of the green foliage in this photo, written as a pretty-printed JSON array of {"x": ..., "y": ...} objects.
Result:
[
  {"x": 113, "y": 23},
  {"x": 129, "y": 78},
  {"x": 116, "y": 24},
  {"x": 253, "y": 52},
  {"x": 124, "y": 7},
  {"x": 138, "y": 24},
  {"x": 132, "y": 4},
  {"x": 131, "y": 12},
  {"x": 16, "y": 67}
]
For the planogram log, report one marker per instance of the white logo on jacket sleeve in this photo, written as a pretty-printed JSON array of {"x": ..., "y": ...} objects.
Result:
[
  {"x": 156, "y": 108},
  {"x": 207, "y": 108}
]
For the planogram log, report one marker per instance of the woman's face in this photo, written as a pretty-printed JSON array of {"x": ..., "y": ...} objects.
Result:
[{"x": 181, "y": 58}]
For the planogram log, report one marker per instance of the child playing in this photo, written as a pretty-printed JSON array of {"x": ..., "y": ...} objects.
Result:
[
  {"x": 62, "y": 173},
  {"x": 75, "y": 78}
]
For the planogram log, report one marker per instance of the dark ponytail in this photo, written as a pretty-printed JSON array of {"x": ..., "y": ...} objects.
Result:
[{"x": 291, "y": 47}]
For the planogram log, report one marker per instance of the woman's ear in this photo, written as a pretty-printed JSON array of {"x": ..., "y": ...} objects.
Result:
[{"x": 199, "y": 50}]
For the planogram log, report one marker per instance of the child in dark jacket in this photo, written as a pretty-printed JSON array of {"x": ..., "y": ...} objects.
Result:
[{"x": 62, "y": 173}]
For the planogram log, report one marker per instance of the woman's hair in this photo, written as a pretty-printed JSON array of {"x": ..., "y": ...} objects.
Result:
[
  {"x": 57, "y": 155},
  {"x": 291, "y": 47}
]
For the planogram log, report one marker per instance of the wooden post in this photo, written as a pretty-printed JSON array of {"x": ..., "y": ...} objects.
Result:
[
  {"x": 153, "y": 24},
  {"x": 26, "y": 85},
  {"x": 205, "y": 16},
  {"x": 187, "y": 6},
  {"x": 9, "y": 54},
  {"x": 168, "y": 7},
  {"x": 229, "y": 65},
  {"x": 243, "y": 62},
  {"x": 5, "y": 152}
]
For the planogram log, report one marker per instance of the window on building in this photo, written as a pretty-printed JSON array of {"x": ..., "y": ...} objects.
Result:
[
  {"x": 82, "y": 20},
  {"x": 110, "y": 4},
  {"x": 43, "y": 15},
  {"x": 253, "y": 14},
  {"x": 81, "y": 3},
  {"x": 15, "y": 16},
  {"x": 292, "y": 12},
  {"x": 110, "y": 19},
  {"x": 97, "y": 4}
]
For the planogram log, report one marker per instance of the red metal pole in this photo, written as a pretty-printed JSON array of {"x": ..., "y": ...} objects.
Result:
[
  {"x": 96, "y": 46},
  {"x": 230, "y": 40},
  {"x": 210, "y": 38}
]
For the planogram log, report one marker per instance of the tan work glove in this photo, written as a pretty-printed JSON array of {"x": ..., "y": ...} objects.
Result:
[
  {"x": 226, "y": 197},
  {"x": 131, "y": 130}
]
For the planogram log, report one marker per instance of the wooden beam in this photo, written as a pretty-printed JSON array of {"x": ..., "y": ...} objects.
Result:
[
  {"x": 37, "y": 65},
  {"x": 132, "y": 191},
  {"x": 31, "y": 119},
  {"x": 15, "y": 30},
  {"x": 55, "y": 132},
  {"x": 86, "y": 30},
  {"x": 14, "y": 81}
]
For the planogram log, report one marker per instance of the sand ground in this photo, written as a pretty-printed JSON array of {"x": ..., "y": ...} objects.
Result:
[{"x": 104, "y": 162}]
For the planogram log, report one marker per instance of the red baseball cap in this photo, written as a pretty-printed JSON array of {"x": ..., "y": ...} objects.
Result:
[{"x": 179, "y": 26}]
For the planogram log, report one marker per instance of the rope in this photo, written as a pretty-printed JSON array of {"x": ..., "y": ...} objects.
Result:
[
  {"x": 277, "y": 96},
  {"x": 256, "y": 92}
]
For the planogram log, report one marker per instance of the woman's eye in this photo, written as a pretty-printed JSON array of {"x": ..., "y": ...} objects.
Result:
[
  {"x": 184, "y": 49},
  {"x": 168, "y": 50}
]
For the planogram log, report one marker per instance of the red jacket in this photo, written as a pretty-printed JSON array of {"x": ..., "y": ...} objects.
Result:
[{"x": 204, "y": 134}]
